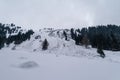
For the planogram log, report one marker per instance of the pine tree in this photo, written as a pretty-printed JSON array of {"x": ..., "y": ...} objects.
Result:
[
  {"x": 115, "y": 45},
  {"x": 72, "y": 34},
  {"x": 65, "y": 34},
  {"x": 76, "y": 39},
  {"x": 45, "y": 45},
  {"x": 85, "y": 41}
]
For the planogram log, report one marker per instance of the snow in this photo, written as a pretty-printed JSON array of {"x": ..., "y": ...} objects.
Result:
[
  {"x": 22, "y": 65},
  {"x": 62, "y": 61}
]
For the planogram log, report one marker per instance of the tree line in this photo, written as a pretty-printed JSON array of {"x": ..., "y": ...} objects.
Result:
[
  {"x": 7, "y": 37},
  {"x": 102, "y": 37},
  {"x": 106, "y": 37}
]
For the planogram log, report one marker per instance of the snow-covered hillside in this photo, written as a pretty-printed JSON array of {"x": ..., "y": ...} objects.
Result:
[
  {"x": 63, "y": 60},
  {"x": 59, "y": 46}
]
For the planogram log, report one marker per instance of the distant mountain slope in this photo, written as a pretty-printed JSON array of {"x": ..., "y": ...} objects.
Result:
[
  {"x": 60, "y": 41},
  {"x": 59, "y": 46}
]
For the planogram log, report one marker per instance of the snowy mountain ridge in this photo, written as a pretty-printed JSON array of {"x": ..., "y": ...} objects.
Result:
[{"x": 59, "y": 46}]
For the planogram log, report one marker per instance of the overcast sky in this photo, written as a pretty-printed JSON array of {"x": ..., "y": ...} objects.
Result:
[{"x": 59, "y": 13}]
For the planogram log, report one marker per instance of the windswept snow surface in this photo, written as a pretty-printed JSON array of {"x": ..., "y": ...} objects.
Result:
[
  {"x": 62, "y": 61},
  {"x": 22, "y": 65}
]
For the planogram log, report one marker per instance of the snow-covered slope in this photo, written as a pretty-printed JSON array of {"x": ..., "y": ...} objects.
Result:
[
  {"x": 62, "y": 61},
  {"x": 59, "y": 46},
  {"x": 24, "y": 65}
]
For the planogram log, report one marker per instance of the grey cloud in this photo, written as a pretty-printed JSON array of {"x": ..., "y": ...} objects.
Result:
[{"x": 59, "y": 13}]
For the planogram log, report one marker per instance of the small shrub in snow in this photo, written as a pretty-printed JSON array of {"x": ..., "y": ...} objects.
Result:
[
  {"x": 100, "y": 51},
  {"x": 34, "y": 50},
  {"x": 38, "y": 37},
  {"x": 14, "y": 48}
]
